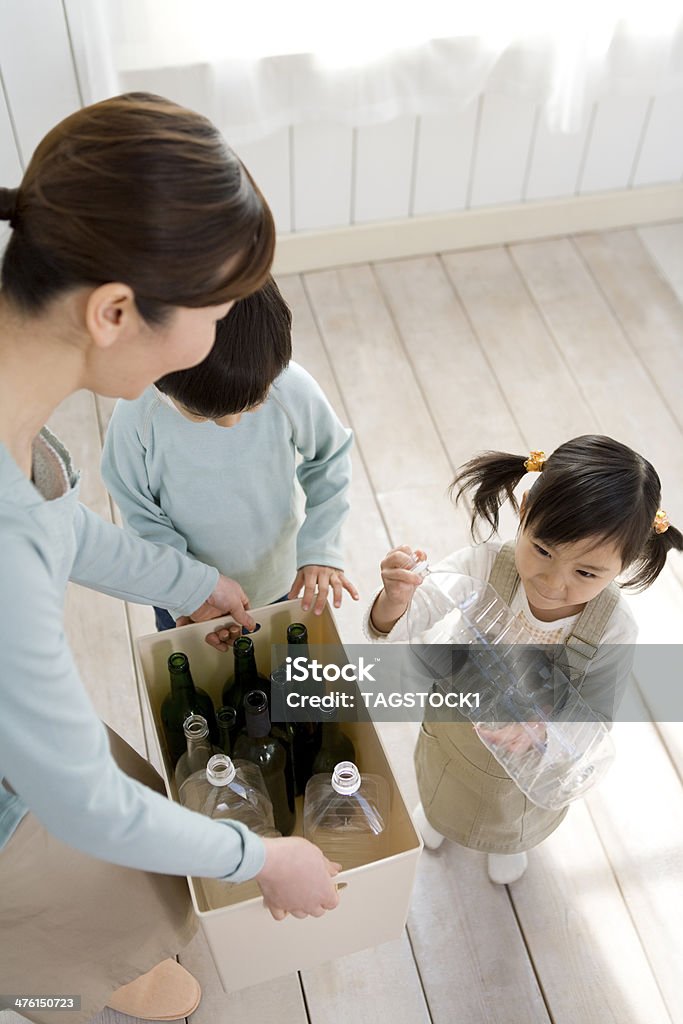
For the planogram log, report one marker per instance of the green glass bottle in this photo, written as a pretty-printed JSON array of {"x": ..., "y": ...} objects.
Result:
[
  {"x": 261, "y": 747},
  {"x": 335, "y": 745},
  {"x": 245, "y": 677},
  {"x": 226, "y": 717},
  {"x": 184, "y": 699},
  {"x": 305, "y": 736}
]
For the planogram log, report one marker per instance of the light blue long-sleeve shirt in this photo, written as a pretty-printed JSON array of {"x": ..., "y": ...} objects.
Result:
[
  {"x": 229, "y": 496},
  {"x": 54, "y": 751}
]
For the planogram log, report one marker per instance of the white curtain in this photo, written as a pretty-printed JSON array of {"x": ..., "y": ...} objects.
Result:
[{"x": 257, "y": 66}]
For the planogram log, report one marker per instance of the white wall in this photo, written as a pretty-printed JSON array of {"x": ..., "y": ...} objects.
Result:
[{"x": 326, "y": 176}]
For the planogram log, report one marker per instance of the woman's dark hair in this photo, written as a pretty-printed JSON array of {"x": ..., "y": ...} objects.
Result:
[
  {"x": 253, "y": 346},
  {"x": 591, "y": 486},
  {"x": 139, "y": 190}
]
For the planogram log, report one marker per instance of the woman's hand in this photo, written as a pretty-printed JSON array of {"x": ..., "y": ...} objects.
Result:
[
  {"x": 227, "y": 598},
  {"x": 297, "y": 878},
  {"x": 321, "y": 577},
  {"x": 399, "y": 586},
  {"x": 516, "y": 738}
]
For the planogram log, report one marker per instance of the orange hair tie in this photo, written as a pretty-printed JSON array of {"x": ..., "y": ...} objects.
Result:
[
  {"x": 535, "y": 462},
  {"x": 661, "y": 521}
]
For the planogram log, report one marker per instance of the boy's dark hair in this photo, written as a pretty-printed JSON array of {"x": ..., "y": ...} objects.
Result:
[
  {"x": 591, "y": 486},
  {"x": 140, "y": 190},
  {"x": 253, "y": 346}
]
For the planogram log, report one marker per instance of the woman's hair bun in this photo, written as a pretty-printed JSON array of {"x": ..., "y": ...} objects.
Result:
[{"x": 8, "y": 203}]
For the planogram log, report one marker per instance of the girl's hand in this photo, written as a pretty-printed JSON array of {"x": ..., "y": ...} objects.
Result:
[
  {"x": 399, "y": 582},
  {"x": 399, "y": 586},
  {"x": 320, "y": 577},
  {"x": 516, "y": 738}
]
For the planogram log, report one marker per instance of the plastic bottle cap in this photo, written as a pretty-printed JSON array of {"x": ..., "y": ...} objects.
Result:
[
  {"x": 346, "y": 778},
  {"x": 220, "y": 771}
]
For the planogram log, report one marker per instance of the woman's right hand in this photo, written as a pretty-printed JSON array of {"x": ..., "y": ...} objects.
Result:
[{"x": 297, "y": 879}]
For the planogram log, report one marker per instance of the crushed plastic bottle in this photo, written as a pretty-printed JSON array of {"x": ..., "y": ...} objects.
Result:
[{"x": 476, "y": 643}]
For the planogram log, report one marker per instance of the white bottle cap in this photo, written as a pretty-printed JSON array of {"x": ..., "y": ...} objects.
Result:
[
  {"x": 346, "y": 778},
  {"x": 220, "y": 771}
]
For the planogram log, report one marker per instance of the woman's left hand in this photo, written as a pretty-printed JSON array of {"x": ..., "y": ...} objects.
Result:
[
  {"x": 227, "y": 598},
  {"x": 321, "y": 577},
  {"x": 516, "y": 738}
]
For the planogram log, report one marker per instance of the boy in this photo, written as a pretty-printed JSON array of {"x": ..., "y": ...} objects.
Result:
[{"x": 228, "y": 497}]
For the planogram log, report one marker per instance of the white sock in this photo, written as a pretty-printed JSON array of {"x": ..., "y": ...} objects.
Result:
[
  {"x": 506, "y": 867},
  {"x": 430, "y": 837}
]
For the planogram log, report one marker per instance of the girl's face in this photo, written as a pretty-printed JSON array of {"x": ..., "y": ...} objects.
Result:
[{"x": 559, "y": 580}]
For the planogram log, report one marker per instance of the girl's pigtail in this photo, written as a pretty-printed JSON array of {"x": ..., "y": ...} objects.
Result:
[
  {"x": 653, "y": 558},
  {"x": 492, "y": 476}
]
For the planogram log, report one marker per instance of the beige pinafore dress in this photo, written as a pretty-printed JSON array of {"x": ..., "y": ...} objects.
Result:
[{"x": 466, "y": 794}]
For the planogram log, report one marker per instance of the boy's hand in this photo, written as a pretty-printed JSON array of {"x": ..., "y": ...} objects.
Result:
[
  {"x": 297, "y": 878},
  {"x": 323, "y": 577},
  {"x": 227, "y": 598},
  {"x": 399, "y": 586}
]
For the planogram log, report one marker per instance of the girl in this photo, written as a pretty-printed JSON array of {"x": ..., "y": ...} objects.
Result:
[
  {"x": 592, "y": 515},
  {"x": 134, "y": 229}
]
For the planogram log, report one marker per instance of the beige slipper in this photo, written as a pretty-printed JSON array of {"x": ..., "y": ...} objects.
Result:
[{"x": 167, "y": 992}]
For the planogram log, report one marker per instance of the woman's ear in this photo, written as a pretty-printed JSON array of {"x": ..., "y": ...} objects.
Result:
[{"x": 111, "y": 313}]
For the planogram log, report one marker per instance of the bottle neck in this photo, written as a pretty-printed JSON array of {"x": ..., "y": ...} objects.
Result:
[
  {"x": 245, "y": 661},
  {"x": 180, "y": 675},
  {"x": 257, "y": 714},
  {"x": 297, "y": 636},
  {"x": 227, "y": 719}
]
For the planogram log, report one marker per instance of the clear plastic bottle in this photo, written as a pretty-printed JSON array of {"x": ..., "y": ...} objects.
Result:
[
  {"x": 235, "y": 790},
  {"x": 346, "y": 814},
  {"x": 477, "y": 644},
  {"x": 199, "y": 749}
]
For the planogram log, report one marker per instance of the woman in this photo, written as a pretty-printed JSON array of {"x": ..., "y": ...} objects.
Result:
[{"x": 134, "y": 229}]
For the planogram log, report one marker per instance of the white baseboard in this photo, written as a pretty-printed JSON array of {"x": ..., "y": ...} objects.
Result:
[{"x": 469, "y": 229}]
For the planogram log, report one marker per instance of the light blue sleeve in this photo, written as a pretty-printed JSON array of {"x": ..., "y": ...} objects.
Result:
[
  {"x": 124, "y": 472},
  {"x": 54, "y": 751},
  {"x": 117, "y": 563},
  {"x": 325, "y": 471}
]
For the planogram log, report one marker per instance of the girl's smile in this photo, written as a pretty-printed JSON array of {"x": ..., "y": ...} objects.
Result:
[{"x": 559, "y": 580}]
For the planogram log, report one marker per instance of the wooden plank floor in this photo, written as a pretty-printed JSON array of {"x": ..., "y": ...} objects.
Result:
[{"x": 430, "y": 360}]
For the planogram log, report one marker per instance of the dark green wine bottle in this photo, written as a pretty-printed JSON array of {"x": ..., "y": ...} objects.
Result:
[
  {"x": 227, "y": 729},
  {"x": 245, "y": 677},
  {"x": 184, "y": 699},
  {"x": 335, "y": 745},
  {"x": 259, "y": 745},
  {"x": 307, "y": 734}
]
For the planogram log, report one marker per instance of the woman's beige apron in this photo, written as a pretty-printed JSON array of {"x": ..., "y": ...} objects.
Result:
[
  {"x": 72, "y": 924},
  {"x": 466, "y": 794}
]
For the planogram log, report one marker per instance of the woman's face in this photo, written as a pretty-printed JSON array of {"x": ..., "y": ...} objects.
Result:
[
  {"x": 142, "y": 353},
  {"x": 187, "y": 337}
]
